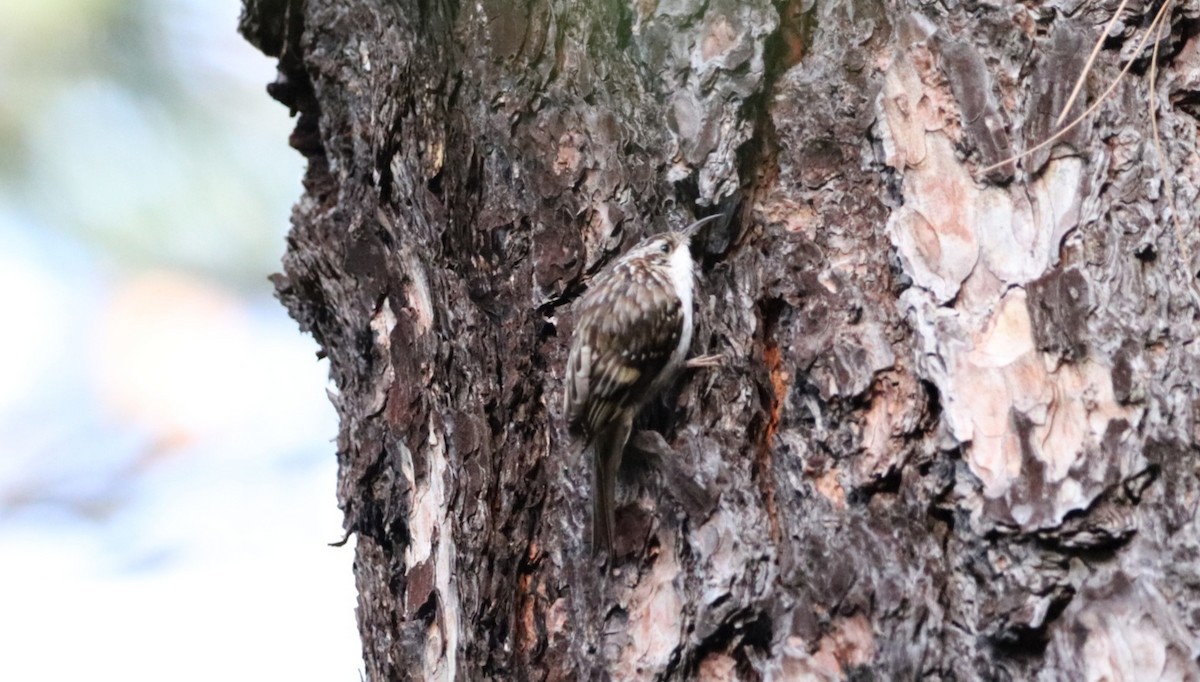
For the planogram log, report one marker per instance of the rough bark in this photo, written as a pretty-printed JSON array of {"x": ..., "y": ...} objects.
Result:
[{"x": 955, "y": 435}]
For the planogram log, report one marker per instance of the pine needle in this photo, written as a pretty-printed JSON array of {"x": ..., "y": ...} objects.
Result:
[
  {"x": 1164, "y": 168},
  {"x": 1154, "y": 26},
  {"x": 1091, "y": 60}
]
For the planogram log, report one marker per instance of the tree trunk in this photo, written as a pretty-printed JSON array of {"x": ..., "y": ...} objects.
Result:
[{"x": 955, "y": 433}]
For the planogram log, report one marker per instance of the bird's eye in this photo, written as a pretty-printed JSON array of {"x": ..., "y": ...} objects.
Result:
[{"x": 665, "y": 248}]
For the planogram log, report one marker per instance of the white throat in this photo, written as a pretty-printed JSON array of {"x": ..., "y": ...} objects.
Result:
[{"x": 683, "y": 277}]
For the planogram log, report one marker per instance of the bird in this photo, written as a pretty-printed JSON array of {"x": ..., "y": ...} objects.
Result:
[{"x": 634, "y": 330}]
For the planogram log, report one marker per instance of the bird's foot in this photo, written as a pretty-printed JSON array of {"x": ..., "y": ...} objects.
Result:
[{"x": 705, "y": 362}]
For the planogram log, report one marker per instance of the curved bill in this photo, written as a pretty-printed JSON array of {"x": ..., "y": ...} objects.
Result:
[{"x": 690, "y": 230}]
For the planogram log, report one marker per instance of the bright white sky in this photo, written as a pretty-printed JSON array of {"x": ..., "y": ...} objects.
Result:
[{"x": 167, "y": 471}]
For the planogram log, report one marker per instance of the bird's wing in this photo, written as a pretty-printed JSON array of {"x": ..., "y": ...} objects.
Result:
[{"x": 629, "y": 325}]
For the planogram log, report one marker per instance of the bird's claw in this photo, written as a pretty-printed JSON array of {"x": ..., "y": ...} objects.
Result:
[{"x": 705, "y": 362}]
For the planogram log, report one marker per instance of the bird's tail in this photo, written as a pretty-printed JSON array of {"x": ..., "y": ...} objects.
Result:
[{"x": 608, "y": 446}]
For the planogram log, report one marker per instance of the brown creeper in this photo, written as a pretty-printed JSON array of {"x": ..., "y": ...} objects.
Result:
[{"x": 633, "y": 334}]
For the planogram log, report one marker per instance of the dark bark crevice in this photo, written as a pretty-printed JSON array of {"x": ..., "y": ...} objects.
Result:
[{"x": 954, "y": 433}]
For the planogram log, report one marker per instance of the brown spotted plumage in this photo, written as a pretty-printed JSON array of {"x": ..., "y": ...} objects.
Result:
[{"x": 633, "y": 332}]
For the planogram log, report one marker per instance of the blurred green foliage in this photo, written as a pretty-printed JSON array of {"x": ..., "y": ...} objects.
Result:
[{"x": 143, "y": 129}]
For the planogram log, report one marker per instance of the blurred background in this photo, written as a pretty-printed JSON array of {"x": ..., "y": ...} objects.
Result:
[{"x": 167, "y": 469}]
